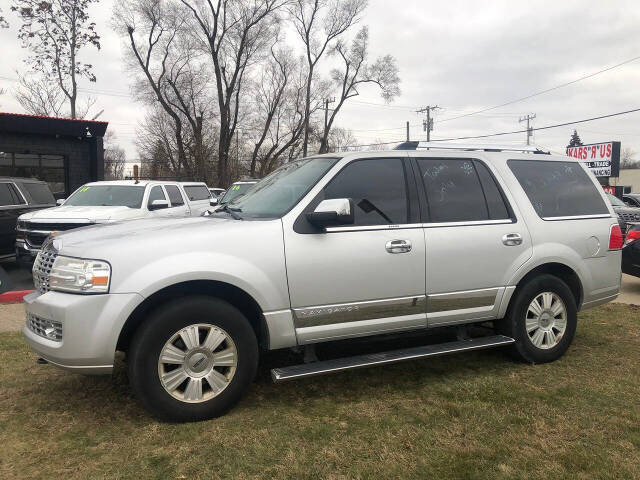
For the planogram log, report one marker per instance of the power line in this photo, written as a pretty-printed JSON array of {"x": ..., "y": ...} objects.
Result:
[
  {"x": 543, "y": 91},
  {"x": 546, "y": 127},
  {"x": 427, "y": 124},
  {"x": 528, "y": 118}
]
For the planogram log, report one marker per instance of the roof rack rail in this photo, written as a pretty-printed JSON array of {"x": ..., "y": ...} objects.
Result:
[{"x": 470, "y": 147}]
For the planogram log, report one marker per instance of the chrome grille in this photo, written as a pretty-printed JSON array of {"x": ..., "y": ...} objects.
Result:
[
  {"x": 630, "y": 217},
  {"x": 49, "y": 329},
  {"x": 42, "y": 268}
]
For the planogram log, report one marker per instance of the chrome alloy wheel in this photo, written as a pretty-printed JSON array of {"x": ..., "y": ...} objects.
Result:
[
  {"x": 197, "y": 363},
  {"x": 546, "y": 320}
]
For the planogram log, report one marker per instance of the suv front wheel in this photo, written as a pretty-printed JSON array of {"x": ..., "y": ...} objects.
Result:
[
  {"x": 193, "y": 359},
  {"x": 542, "y": 318}
]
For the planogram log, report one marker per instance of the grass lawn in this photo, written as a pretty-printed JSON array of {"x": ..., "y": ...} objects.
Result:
[{"x": 473, "y": 415}]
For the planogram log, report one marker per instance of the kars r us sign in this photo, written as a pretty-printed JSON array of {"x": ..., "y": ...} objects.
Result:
[{"x": 603, "y": 159}]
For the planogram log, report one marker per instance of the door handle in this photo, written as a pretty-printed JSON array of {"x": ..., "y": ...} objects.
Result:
[
  {"x": 512, "y": 239},
  {"x": 398, "y": 246}
]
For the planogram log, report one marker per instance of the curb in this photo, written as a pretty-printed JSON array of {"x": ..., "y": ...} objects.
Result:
[{"x": 15, "y": 296}]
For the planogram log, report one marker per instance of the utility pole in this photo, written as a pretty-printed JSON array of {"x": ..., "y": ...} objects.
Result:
[
  {"x": 325, "y": 138},
  {"x": 427, "y": 125},
  {"x": 407, "y": 131},
  {"x": 528, "y": 119}
]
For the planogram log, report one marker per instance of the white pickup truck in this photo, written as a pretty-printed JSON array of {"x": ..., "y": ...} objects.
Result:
[{"x": 107, "y": 202}]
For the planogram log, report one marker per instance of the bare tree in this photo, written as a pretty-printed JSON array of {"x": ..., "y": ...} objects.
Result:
[
  {"x": 114, "y": 158},
  {"x": 169, "y": 71},
  {"x": 157, "y": 144},
  {"x": 55, "y": 32},
  {"x": 3, "y": 21},
  {"x": 269, "y": 97},
  {"x": 356, "y": 72},
  {"x": 319, "y": 23},
  {"x": 40, "y": 96},
  {"x": 234, "y": 33},
  {"x": 278, "y": 120},
  {"x": 628, "y": 159},
  {"x": 339, "y": 139}
]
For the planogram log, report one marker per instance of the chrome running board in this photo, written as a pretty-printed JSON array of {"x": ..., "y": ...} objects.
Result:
[{"x": 382, "y": 358}]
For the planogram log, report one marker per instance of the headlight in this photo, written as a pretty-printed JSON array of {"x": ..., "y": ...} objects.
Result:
[{"x": 79, "y": 275}]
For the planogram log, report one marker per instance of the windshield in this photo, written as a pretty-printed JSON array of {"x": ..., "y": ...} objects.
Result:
[
  {"x": 277, "y": 193},
  {"x": 107, "y": 196},
  {"x": 235, "y": 191},
  {"x": 615, "y": 201}
]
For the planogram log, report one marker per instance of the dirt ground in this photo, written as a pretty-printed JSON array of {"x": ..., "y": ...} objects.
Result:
[{"x": 11, "y": 317}]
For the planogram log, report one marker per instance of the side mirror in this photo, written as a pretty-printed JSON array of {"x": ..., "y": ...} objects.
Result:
[
  {"x": 60, "y": 201},
  {"x": 332, "y": 212},
  {"x": 158, "y": 205},
  {"x": 213, "y": 202}
]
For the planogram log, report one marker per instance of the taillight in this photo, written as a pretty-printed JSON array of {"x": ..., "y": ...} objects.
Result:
[
  {"x": 615, "y": 237},
  {"x": 632, "y": 236}
]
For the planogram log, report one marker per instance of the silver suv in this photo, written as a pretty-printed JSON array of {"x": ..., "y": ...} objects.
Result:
[{"x": 327, "y": 248}]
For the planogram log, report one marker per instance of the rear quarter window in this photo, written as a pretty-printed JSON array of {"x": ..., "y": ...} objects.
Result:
[
  {"x": 40, "y": 193},
  {"x": 197, "y": 192},
  {"x": 558, "y": 189}
]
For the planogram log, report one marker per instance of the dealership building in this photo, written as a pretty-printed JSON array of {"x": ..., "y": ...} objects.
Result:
[{"x": 64, "y": 152}]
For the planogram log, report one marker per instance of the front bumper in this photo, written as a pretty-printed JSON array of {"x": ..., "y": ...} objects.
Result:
[
  {"x": 26, "y": 252},
  {"x": 91, "y": 325}
]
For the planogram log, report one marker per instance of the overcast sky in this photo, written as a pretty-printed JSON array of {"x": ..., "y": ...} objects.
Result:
[{"x": 461, "y": 55}]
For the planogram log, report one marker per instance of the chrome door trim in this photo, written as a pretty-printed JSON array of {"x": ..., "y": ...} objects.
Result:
[
  {"x": 468, "y": 223},
  {"x": 337, "y": 331},
  {"x": 358, "y": 311},
  {"x": 365, "y": 228},
  {"x": 576, "y": 217},
  {"x": 445, "y": 302}
]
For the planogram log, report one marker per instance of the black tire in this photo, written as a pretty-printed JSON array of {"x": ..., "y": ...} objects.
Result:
[
  {"x": 514, "y": 323},
  {"x": 160, "y": 326}
]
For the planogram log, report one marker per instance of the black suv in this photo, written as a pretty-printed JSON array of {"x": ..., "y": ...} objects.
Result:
[
  {"x": 18, "y": 196},
  {"x": 632, "y": 199}
]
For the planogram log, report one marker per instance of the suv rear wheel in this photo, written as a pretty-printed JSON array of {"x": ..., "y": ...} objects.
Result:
[
  {"x": 542, "y": 318},
  {"x": 193, "y": 359}
]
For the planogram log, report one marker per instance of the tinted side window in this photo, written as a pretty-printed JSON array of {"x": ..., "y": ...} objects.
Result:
[
  {"x": 39, "y": 192},
  {"x": 156, "y": 193},
  {"x": 495, "y": 200},
  {"x": 174, "y": 195},
  {"x": 558, "y": 189},
  {"x": 454, "y": 193},
  {"x": 197, "y": 192},
  {"x": 378, "y": 189},
  {"x": 6, "y": 196},
  {"x": 18, "y": 199}
]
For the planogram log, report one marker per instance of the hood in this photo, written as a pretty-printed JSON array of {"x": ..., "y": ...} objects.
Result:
[
  {"x": 152, "y": 234},
  {"x": 93, "y": 214}
]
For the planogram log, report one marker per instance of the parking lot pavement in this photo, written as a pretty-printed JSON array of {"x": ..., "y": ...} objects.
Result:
[
  {"x": 19, "y": 276},
  {"x": 630, "y": 292}
]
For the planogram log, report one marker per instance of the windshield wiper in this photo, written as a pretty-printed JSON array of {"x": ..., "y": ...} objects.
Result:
[{"x": 231, "y": 211}]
